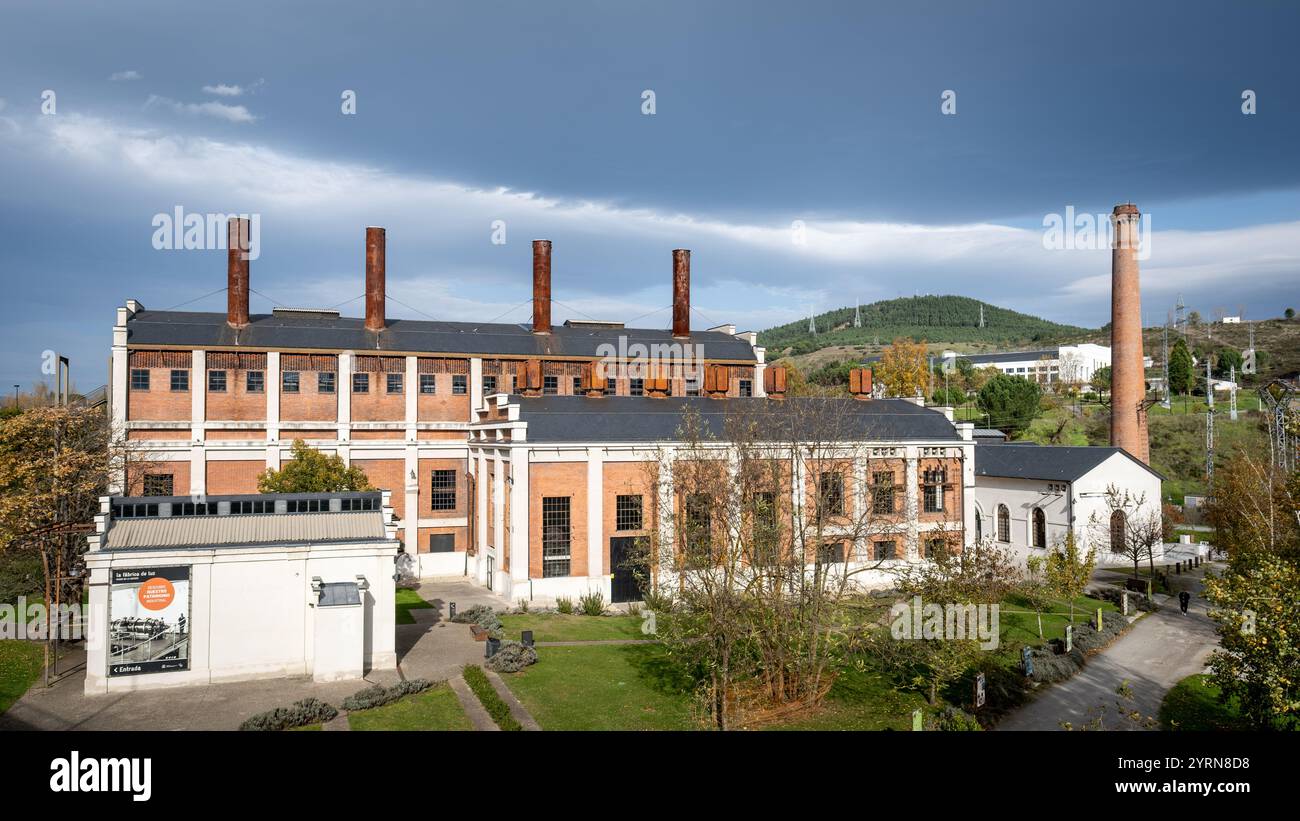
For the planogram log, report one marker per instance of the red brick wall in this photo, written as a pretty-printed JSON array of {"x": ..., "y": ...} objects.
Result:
[
  {"x": 160, "y": 402},
  {"x": 234, "y": 477},
  {"x": 180, "y": 472},
  {"x": 625, "y": 479},
  {"x": 558, "y": 479}
]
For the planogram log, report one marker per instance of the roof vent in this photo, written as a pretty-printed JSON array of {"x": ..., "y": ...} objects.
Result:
[
  {"x": 592, "y": 323},
  {"x": 306, "y": 313}
]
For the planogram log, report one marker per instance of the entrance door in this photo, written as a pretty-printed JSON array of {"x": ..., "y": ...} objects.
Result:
[
  {"x": 491, "y": 570},
  {"x": 628, "y": 583}
]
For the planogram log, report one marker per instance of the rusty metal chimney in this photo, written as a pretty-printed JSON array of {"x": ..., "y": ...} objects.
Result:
[
  {"x": 541, "y": 286},
  {"x": 376, "y": 273},
  {"x": 681, "y": 293},
  {"x": 237, "y": 272},
  {"x": 1128, "y": 413}
]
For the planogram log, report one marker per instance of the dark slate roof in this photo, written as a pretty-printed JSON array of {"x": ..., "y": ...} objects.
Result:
[
  {"x": 1053, "y": 463},
  {"x": 268, "y": 331},
  {"x": 642, "y": 419},
  {"x": 1010, "y": 356}
]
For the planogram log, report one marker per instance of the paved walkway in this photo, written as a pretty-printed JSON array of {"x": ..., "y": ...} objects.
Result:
[
  {"x": 1159, "y": 650},
  {"x": 433, "y": 648}
]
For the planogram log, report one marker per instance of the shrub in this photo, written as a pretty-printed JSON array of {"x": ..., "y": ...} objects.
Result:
[
  {"x": 487, "y": 696},
  {"x": 377, "y": 696},
  {"x": 1050, "y": 666},
  {"x": 511, "y": 658},
  {"x": 633, "y": 609},
  {"x": 592, "y": 603},
  {"x": 658, "y": 602},
  {"x": 521, "y": 606},
  {"x": 564, "y": 604},
  {"x": 482, "y": 615},
  {"x": 1135, "y": 600},
  {"x": 302, "y": 713},
  {"x": 953, "y": 719}
]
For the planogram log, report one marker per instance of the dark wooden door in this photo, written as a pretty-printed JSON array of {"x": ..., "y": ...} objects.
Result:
[{"x": 628, "y": 582}]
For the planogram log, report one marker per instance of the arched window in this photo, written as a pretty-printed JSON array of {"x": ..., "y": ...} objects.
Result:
[
  {"x": 979, "y": 527},
  {"x": 1118, "y": 524},
  {"x": 1040, "y": 528},
  {"x": 1004, "y": 524}
]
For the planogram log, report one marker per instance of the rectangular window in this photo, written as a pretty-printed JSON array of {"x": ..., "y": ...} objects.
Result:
[
  {"x": 443, "y": 490},
  {"x": 884, "y": 550},
  {"x": 139, "y": 379},
  {"x": 290, "y": 381},
  {"x": 393, "y": 382},
  {"x": 361, "y": 383},
  {"x": 636, "y": 387},
  {"x": 428, "y": 384},
  {"x": 251, "y": 507},
  {"x": 459, "y": 385},
  {"x": 699, "y": 525},
  {"x": 551, "y": 384},
  {"x": 324, "y": 382},
  {"x": 627, "y": 513},
  {"x": 747, "y": 388},
  {"x": 936, "y": 548},
  {"x": 882, "y": 492},
  {"x": 932, "y": 485},
  {"x": 831, "y": 553},
  {"x": 830, "y": 493},
  {"x": 555, "y": 536},
  {"x": 611, "y": 386},
  {"x": 442, "y": 542},
  {"x": 489, "y": 385},
  {"x": 158, "y": 484},
  {"x": 577, "y": 386},
  {"x": 180, "y": 381},
  {"x": 514, "y": 384},
  {"x": 765, "y": 527},
  {"x": 217, "y": 381}
]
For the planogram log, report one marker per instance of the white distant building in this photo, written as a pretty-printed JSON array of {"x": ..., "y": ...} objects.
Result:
[
  {"x": 1064, "y": 363},
  {"x": 1232, "y": 320}
]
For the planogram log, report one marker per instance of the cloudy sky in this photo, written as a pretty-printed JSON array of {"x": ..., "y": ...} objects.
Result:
[{"x": 767, "y": 117}]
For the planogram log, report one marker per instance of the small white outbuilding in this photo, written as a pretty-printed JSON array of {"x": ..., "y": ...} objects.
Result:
[{"x": 194, "y": 590}]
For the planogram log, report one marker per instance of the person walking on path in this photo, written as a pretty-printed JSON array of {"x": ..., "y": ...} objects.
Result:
[{"x": 1184, "y": 598}]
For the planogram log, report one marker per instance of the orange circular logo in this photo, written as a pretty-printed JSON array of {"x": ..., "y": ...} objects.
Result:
[{"x": 156, "y": 594}]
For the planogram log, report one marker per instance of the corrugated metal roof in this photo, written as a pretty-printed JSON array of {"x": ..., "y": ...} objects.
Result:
[
  {"x": 213, "y": 531},
  {"x": 1053, "y": 463},
  {"x": 642, "y": 419},
  {"x": 1010, "y": 356},
  {"x": 266, "y": 331}
]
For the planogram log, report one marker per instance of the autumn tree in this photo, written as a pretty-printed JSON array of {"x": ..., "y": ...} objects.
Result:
[
  {"x": 902, "y": 368},
  {"x": 1067, "y": 569},
  {"x": 1129, "y": 528},
  {"x": 311, "y": 471}
]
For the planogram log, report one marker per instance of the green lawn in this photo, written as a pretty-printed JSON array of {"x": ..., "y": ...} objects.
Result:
[
  {"x": 604, "y": 687},
  {"x": 1020, "y": 624},
  {"x": 559, "y": 627},
  {"x": 21, "y": 663},
  {"x": 1194, "y": 704},
  {"x": 861, "y": 701},
  {"x": 434, "y": 709},
  {"x": 408, "y": 600}
]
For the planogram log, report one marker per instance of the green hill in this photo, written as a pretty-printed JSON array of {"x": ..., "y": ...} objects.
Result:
[{"x": 935, "y": 319}]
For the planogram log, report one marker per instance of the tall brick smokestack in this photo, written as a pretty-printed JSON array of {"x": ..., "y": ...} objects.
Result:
[
  {"x": 237, "y": 272},
  {"x": 541, "y": 286},
  {"x": 681, "y": 293},
  {"x": 376, "y": 273},
  {"x": 1128, "y": 416}
]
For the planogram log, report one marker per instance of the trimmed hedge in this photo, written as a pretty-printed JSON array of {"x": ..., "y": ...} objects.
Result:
[
  {"x": 302, "y": 713},
  {"x": 377, "y": 696},
  {"x": 487, "y": 696},
  {"x": 1050, "y": 666}
]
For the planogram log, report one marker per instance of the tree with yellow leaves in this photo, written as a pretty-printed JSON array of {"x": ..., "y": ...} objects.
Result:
[{"x": 902, "y": 368}]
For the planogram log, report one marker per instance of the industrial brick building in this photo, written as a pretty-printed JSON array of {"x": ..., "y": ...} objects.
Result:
[{"x": 209, "y": 401}]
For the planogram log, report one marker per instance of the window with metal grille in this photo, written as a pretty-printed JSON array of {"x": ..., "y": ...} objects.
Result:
[
  {"x": 254, "y": 381},
  {"x": 180, "y": 381},
  {"x": 361, "y": 383},
  {"x": 443, "y": 490},
  {"x": 393, "y": 382},
  {"x": 611, "y": 386},
  {"x": 627, "y": 512},
  {"x": 763, "y": 508},
  {"x": 1004, "y": 524},
  {"x": 550, "y": 384},
  {"x": 324, "y": 382},
  {"x": 933, "y": 482},
  {"x": 555, "y": 536},
  {"x": 1040, "y": 528},
  {"x": 746, "y": 387},
  {"x": 158, "y": 484},
  {"x": 358, "y": 504},
  {"x": 459, "y": 384},
  {"x": 882, "y": 492},
  {"x": 139, "y": 379},
  {"x": 442, "y": 542},
  {"x": 577, "y": 386},
  {"x": 698, "y": 525},
  {"x": 885, "y": 550},
  {"x": 217, "y": 381},
  {"x": 831, "y": 553},
  {"x": 428, "y": 383},
  {"x": 636, "y": 387},
  {"x": 830, "y": 493},
  {"x": 936, "y": 548},
  {"x": 489, "y": 385},
  {"x": 290, "y": 381},
  {"x": 979, "y": 527}
]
